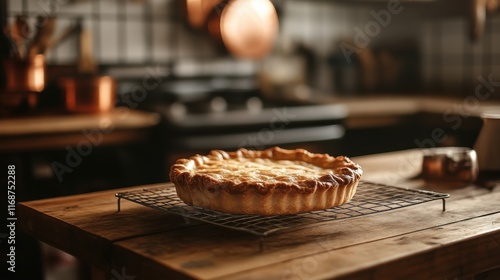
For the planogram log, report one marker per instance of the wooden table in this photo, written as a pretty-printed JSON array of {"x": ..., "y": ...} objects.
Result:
[
  {"x": 35, "y": 133},
  {"x": 419, "y": 241}
]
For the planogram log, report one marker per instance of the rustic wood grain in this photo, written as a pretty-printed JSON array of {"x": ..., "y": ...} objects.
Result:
[
  {"x": 86, "y": 225},
  {"x": 418, "y": 241},
  {"x": 443, "y": 252},
  {"x": 211, "y": 252}
]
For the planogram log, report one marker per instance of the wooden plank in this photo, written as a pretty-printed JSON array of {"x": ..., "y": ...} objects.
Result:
[
  {"x": 86, "y": 225},
  {"x": 122, "y": 118},
  {"x": 211, "y": 252},
  {"x": 97, "y": 213},
  {"x": 33, "y": 133},
  {"x": 61, "y": 141},
  {"x": 425, "y": 254}
]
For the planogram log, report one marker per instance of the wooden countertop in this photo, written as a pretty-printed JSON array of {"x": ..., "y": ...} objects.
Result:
[
  {"x": 382, "y": 110},
  {"x": 30, "y": 133},
  {"x": 418, "y": 242},
  {"x": 403, "y": 105}
]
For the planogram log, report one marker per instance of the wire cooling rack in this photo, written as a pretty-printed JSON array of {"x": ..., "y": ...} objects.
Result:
[{"x": 370, "y": 198}]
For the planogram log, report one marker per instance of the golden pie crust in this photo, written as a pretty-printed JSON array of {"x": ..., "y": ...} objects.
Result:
[{"x": 269, "y": 182}]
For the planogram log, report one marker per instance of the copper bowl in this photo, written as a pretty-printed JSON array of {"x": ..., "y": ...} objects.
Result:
[
  {"x": 89, "y": 94},
  {"x": 450, "y": 165}
]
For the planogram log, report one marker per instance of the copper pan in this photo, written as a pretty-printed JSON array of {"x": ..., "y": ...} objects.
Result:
[{"x": 89, "y": 94}]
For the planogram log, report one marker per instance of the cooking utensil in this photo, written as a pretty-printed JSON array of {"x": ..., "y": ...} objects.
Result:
[
  {"x": 450, "y": 166},
  {"x": 89, "y": 94},
  {"x": 249, "y": 27},
  {"x": 199, "y": 10},
  {"x": 26, "y": 75},
  {"x": 86, "y": 64},
  {"x": 19, "y": 33},
  {"x": 477, "y": 18},
  {"x": 40, "y": 42},
  {"x": 24, "y": 80}
]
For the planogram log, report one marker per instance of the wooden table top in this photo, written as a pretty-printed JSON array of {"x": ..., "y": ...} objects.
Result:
[
  {"x": 33, "y": 133},
  {"x": 419, "y": 241}
]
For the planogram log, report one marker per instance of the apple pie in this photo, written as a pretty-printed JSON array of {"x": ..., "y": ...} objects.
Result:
[{"x": 269, "y": 182}]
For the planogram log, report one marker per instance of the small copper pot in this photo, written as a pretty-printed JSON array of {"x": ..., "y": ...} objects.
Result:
[
  {"x": 24, "y": 76},
  {"x": 452, "y": 166},
  {"x": 89, "y": 94}
]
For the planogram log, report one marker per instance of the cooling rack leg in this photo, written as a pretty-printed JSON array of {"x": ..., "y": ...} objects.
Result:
[
  {"x": 444, "y": 204},
  {"x": 118, "y": 204},
  {"x": 261, "y": 244}
]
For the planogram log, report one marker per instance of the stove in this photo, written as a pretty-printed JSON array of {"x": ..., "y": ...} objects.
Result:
[{"x": 230, "y": 113}]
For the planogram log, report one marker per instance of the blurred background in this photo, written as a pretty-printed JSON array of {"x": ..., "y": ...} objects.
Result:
[{"x": 101, "y": 94}]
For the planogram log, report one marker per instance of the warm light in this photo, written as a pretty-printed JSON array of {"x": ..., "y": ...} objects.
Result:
[
  {"x": 262, "y": 8},
  {"x": 38, "y": 74},
  {"x": 249, "y": 27},
  {"x": 105, "y": 94}
]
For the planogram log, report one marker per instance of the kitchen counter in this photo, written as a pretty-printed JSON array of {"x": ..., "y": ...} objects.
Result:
[
  {"x": 379, "y": 110},
  {"x": 34, "y": 133},
  {"x": 397, "y": 122},
  {"x": 419, "y": 241}
]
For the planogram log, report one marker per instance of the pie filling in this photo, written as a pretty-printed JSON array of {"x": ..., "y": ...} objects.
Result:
[{"x": 255, "y": 170}]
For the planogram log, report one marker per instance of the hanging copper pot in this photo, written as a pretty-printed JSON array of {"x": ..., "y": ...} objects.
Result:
[
  {"x": 246, "y": 28},
  {"x": 249, "y": 27}
]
